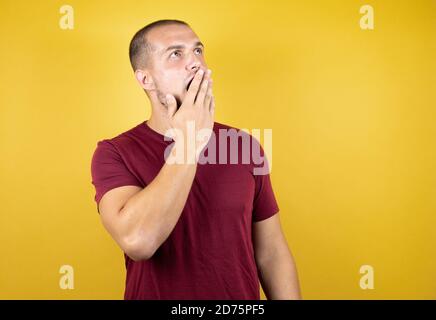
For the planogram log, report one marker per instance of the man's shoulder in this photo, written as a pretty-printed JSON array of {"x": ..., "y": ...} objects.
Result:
[
  {"x": 126, "y": 136},
  {"x": 136, "y": 131},
  {"x": 225, "y": 127}
]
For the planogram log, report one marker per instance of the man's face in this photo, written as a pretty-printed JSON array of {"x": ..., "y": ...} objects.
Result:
[{"x": 176, "y": 55}]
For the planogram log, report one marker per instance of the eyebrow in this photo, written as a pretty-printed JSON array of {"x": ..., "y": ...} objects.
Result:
[{"x": 181, "y": 46}]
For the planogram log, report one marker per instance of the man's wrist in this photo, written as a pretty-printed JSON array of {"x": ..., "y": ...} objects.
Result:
[{"x": 183, "y": 153}]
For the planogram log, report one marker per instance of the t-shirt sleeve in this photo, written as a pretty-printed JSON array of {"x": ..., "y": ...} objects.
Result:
[
  {"x": 264, "y": 203},
  {"x": 109, "y": 171}
]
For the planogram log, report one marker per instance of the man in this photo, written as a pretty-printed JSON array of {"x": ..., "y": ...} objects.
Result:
[{"x": 188, "y": 230}]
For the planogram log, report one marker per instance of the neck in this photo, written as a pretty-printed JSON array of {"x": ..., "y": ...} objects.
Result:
[
  {"x": 158, "y": 120},
  {"x": 158, "y": 123}
]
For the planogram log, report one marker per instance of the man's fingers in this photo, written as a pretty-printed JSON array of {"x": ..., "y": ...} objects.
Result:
[
  {"x": 212, "y": 106},
  {"x": 208, "y": 97},
  {"x": 172, "y": 105},
  {"x": 193, "y": 89},
  {"x": 199, "y": 102}
]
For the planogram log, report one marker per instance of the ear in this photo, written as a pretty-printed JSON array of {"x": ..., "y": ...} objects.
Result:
[{"x": 144, "y": 79}]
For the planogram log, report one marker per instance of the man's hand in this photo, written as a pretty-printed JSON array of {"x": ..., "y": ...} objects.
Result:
[{"x": 197, "y": 109}]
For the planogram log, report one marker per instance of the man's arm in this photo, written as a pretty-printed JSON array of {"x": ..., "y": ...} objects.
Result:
[
  {"x": 140, "y": 220},
  {"x": 278, "y": 272}
]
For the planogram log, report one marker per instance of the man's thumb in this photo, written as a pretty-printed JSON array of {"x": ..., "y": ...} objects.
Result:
[{"x": 172, "y": 105}]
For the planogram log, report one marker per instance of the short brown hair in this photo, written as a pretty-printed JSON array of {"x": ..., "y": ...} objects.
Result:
[{"x": 139, "y": 47}]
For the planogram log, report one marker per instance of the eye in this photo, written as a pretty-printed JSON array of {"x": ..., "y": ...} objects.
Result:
[
  {"x": 199, "y": 50},
  {"x": 176, "y": 53}
]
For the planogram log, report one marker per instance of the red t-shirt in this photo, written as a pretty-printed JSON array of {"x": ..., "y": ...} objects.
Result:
[{"x": 209, "y": 254}]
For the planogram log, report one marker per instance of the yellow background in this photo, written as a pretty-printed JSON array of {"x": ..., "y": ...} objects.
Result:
[{"x": 352, "y": 113}]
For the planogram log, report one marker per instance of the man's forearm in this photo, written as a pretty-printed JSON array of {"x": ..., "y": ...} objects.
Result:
[
  {"x": 153, "y": 212},
  {"x": 279, "y": 277}
]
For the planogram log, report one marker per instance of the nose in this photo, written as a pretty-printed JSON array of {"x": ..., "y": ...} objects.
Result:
[{"x": 193, "y": 66}]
